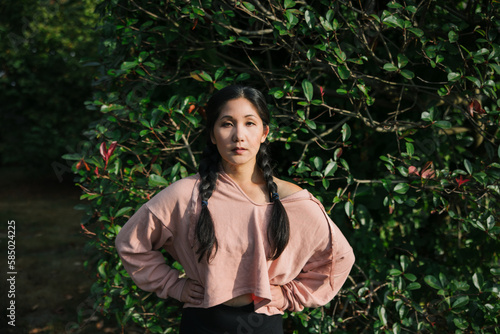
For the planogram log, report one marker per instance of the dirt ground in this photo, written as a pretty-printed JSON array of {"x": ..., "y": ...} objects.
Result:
[{"x": 51, "y": 285}]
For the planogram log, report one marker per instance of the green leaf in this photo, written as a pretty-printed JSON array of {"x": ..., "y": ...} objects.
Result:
[
  {"x": 408, "y": 74},
  {"x": 404, "y": 261},
  {"x": 317, "y": 162},
  {"x": 395, "y": 272},
  {"x": 390, "y": 67},
  {"x": 478, "y": 281},
  {"x": 410, "y": 149},
  {"x": 382, "y": 315},
  {"x": 495, "y": 67},
  {"x": 410, "y": 277},
  {"x": 123, "y": 211},
  {"x": 443, "y": 124},
  {"x": 102, "y": 269},
  {"x": 205, "y": 76},
  {"x": 468, "y": 166},
  {"x": 309, "y": 17},
  {"x": 344, "y": 72},
  {"x": 452, "y": 36},
  {"x": 128, "y": 65},
  {"x": 346, "y": 132},
  {"x": 474, "y": 80},
  {"x": 307, "y": 87},
  {"x": 192, "y": 119},
  {"x": 157, "y": 180},
  {"x": 220, "y": 71},
  {"x": 432, "y": 282},
  {"x": 249, "y": 6},
  {"x": 348, "y": 207},
  {"x": 416, "y": 31},
  {"x": 452, "y": 76},
  {"x": 402, "y": 60},
  {"x": 326, "y": 183},
  {"x": 461, "y": 323},
  {"x": 310, "y": 124},
  {"x": 289, "y": 4},
  {"x": 73, "y": 156},
  {"x": 341, "y": 56},
  {"x": 292, "y": 19},
  {"x": 427, "y": 116},
  {"x": 330, "y": 169},
  {"x": 401, "y": 188},
  {"x": 460, "y": 302},
  {"x": 413, "y": 286}
]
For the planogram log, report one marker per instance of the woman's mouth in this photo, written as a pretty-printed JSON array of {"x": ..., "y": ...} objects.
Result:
[{"x": 239, "y": 150}]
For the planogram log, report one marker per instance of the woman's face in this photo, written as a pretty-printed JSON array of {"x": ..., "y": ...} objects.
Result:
[{"x": 238, "y": 133}]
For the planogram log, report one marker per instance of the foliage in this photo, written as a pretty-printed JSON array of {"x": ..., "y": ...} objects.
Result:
[
  {"x": 42, "y": 82},
  {"x": 386, "y": 111}
]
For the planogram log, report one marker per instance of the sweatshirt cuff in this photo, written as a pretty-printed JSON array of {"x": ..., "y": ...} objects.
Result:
[{"x": 175, "y": 291}]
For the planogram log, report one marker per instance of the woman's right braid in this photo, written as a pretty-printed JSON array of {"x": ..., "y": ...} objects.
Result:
[
  {"x": 205, "y": 230},
  {"x": 278, "y": 231}
]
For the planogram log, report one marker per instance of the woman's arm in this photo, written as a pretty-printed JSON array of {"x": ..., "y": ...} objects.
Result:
[
  {"x": 320, "y": 279},
  {"x": 138, "y": 244}
]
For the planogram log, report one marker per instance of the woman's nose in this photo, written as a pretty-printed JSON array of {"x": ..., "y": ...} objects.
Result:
[{"x": 237, "y": 134}]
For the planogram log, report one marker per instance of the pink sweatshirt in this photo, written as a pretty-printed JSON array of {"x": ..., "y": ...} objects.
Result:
[{"x": 309, "y": 272}]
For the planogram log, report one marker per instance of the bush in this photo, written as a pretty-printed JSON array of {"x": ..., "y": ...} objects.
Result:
[
  {"x": 43, "y": 84},
  {"x": 386, "y": 111}
]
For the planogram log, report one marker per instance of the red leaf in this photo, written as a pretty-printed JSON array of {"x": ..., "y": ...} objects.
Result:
[
  {"x": 460, "y": 180},
  {"x": 321, "y": 91},
  {"x": 412, "y": 170},
  {"x": 111, "y": 149},
  {"x": 82, "y": 162},
  {"x": 475, "y": 107},
  {"x": 428, "y": 171},
  {"x": 103, "y": 151},
  {"x": 428, "y": 174}
]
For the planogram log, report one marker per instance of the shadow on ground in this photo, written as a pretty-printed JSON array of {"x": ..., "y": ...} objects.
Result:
[{"x": 51, "y": 284}]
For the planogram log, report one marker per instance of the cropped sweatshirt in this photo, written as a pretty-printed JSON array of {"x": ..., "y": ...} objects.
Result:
[{"x": 309, "y": 273}]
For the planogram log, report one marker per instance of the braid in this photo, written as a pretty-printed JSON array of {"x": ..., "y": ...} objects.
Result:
[
  {"x": 205, "y": 231},
  {"x": 278, "y": 230}
]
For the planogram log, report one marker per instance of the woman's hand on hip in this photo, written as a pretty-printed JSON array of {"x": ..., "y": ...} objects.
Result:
[{"x": 193, "y": 292}]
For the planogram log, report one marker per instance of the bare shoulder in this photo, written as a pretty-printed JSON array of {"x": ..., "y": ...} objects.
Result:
[{"x": 286, "y": 188}]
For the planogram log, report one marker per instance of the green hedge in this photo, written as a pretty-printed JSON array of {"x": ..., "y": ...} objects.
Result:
[
  {"x": 386, "y": 111},
  {"x": 43, "y": 83}
]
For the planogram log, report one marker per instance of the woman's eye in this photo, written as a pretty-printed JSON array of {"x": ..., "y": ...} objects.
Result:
[
  {"x": 227, "y": 124},
  {"x": 250, "y": 123}
]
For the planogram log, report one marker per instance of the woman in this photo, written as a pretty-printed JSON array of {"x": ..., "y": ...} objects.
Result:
[{"x": 252, "y": 245}]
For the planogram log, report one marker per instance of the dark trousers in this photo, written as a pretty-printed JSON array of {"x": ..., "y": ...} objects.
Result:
[{"x": 223, "y": 319}]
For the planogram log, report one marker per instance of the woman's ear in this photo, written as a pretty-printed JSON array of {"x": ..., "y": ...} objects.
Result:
[
  {"x": 212, "y": 138},
  {"x": 265, "y": 133}
]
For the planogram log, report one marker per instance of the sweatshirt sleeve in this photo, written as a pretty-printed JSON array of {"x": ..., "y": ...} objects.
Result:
[
  {"x": 320, "y": 279},
  {"x": 138, "y": 244}
]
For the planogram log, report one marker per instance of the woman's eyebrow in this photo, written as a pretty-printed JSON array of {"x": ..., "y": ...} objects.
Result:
[{"x": 231, "y": 117}]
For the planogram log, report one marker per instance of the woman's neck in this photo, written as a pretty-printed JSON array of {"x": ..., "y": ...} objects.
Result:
[{"x": 244, "y": 175}]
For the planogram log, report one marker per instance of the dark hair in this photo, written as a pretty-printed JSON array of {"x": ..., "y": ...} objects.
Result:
[{"x": 278, "y": 231}]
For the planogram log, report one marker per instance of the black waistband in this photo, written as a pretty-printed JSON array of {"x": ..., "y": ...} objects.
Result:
[{"x": 224, "y": 319}]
